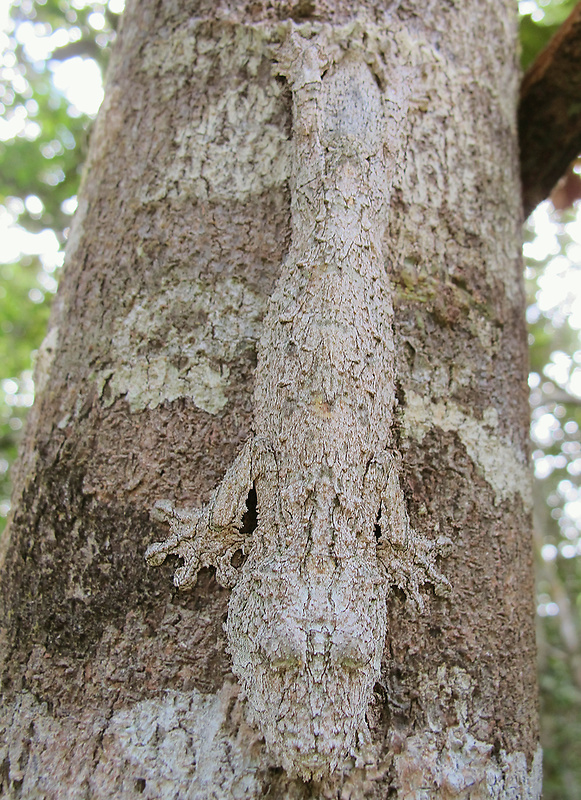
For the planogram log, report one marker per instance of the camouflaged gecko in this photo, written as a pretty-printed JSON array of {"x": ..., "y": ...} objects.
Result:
[{"x": 307, "y": 615}]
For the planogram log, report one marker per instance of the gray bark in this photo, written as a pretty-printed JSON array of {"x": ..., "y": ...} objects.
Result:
[{"x": 116, "y": 684}]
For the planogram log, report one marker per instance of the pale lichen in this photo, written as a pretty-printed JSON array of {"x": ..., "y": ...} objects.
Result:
[
  {"x": 180, "y": 342},
  {"x": 447, "y": 762},
  {"x": 505, "y": 469}
]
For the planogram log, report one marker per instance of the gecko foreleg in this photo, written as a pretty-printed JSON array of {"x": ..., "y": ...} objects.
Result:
[
  {"x": 210, "y": 535},
  {"x": 407, "y": 555}
]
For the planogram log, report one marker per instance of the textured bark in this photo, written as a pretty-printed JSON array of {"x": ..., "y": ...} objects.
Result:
[
  {"x": 115, "y": 684},
  {"x": 550, "y": 113}
]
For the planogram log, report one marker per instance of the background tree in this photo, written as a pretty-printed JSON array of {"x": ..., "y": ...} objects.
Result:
[{"x": 12, "y": 374}]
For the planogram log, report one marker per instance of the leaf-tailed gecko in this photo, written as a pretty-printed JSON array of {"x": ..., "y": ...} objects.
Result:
[{"x": 307, "y": 615}]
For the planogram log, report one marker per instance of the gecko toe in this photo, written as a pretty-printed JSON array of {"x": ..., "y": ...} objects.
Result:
[
  {"x": 185, "y": 577},
  {"x": 156, "y": 553},
  {"x": 162, "y": 511}
]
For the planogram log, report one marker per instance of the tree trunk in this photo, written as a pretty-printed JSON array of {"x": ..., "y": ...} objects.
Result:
[{"x": 116, "y": 684}]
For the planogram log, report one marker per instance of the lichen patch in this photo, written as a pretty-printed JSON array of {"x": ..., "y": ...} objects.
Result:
[
  {"x": 181, "y": 341},
  {"x": 504, "y": 469},
  {"x": 449, "y": 763}
]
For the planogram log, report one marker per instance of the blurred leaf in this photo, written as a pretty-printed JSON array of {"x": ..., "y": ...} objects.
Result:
[
  {"x": 41, "y": 162},
  {"x": 536, "y": 34}
]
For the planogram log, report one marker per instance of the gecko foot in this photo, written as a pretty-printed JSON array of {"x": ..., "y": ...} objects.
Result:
[
  {"x": 210, "y": 536},
  {"x": 185, "y": 527}
]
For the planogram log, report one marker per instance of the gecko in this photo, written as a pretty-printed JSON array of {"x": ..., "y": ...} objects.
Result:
[{"x": 307, "y": 615}]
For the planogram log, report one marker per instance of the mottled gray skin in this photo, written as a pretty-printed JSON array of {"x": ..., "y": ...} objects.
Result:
[{"x": 307, "y": 615}]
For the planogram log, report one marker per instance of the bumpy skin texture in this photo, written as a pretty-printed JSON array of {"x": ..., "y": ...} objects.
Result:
[{"x": 307, "y": 615}]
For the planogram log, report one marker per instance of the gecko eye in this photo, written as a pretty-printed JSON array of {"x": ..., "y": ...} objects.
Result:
[
  {"x": 351, "y": 654},
  {"x": 285, "y": 664},
  {"x": 353, "y": 661},
  {"x": 282, "y": 653},
  {"x": 238, "y": 559}
]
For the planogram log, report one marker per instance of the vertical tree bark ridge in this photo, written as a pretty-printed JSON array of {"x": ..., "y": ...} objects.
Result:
[
  {"x": 549, "y": 115},
  {"x": 115, "y": 685}
]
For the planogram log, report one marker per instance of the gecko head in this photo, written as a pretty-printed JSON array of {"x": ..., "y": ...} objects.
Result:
[{"x": 307, "y": 651}]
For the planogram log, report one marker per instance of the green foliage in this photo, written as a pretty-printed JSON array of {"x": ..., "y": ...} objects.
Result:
[
  {"x": 45, "y": 161},
  {"x": 48, "y": 165},
  {"x": 554, "y": 322},
  {"x": 18, "y": 329},
  {"x": 42, "y": 144},
  {"x": 538, "y": 25}
]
